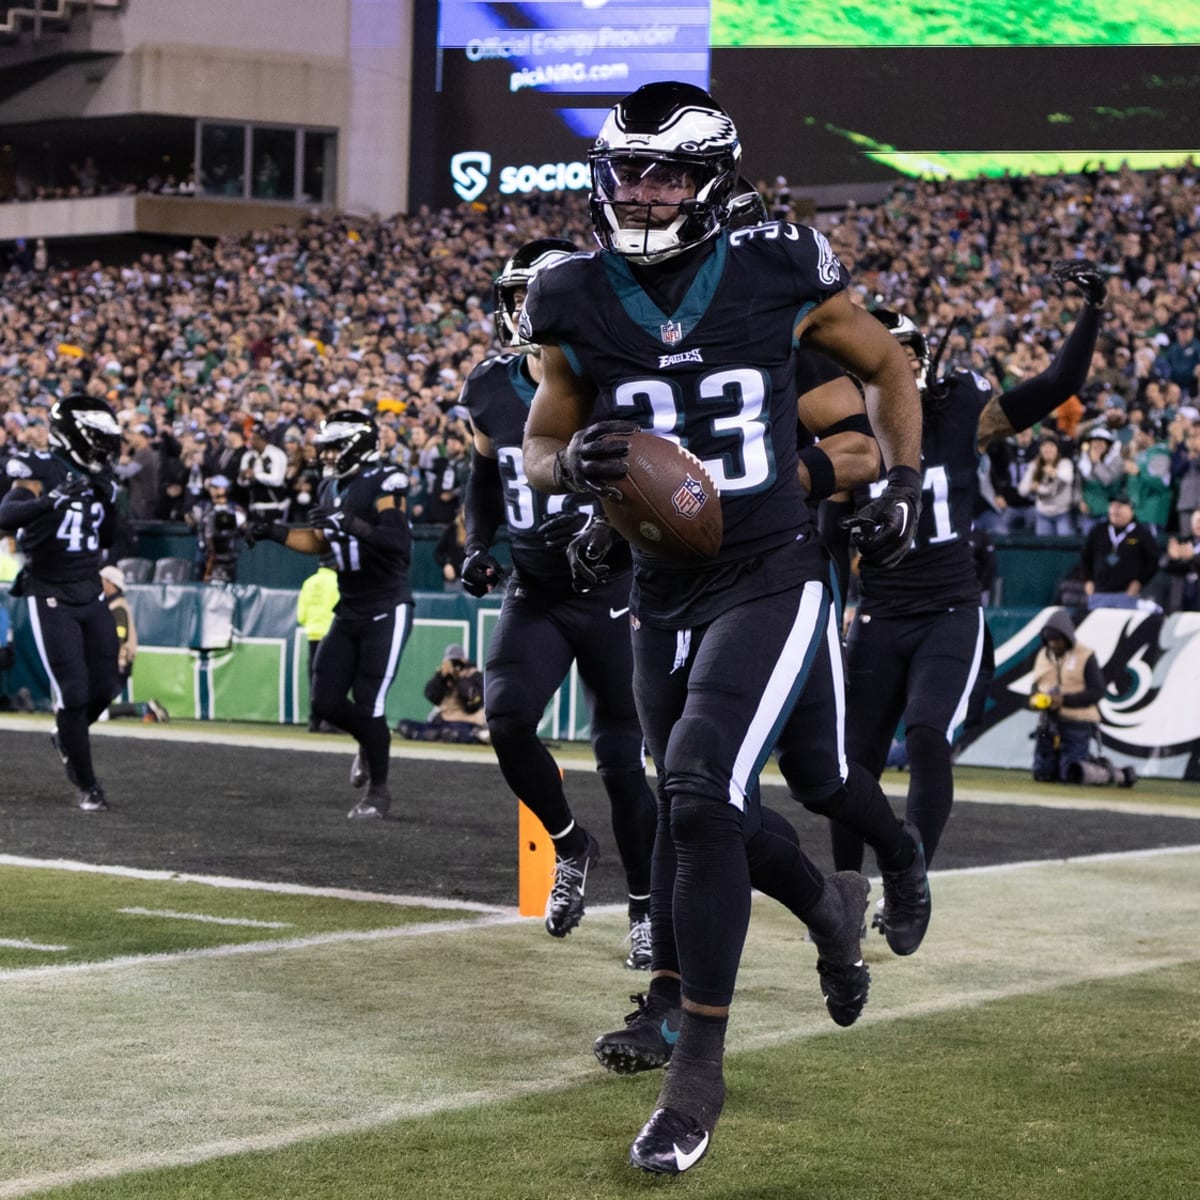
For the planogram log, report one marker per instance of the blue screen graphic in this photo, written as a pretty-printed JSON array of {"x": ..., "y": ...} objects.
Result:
[{"x": 577, "y": 47}]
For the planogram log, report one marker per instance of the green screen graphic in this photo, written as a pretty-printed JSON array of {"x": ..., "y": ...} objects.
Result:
[{"x": 954, "y": 23}]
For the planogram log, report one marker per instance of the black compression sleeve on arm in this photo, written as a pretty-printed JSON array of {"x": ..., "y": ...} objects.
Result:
[
  {"x": 1036, "y": 398},
  {"x": 483, "y": 500}
]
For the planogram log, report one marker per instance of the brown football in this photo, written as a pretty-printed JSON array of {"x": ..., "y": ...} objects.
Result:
[{"x": 669, "y": 506}]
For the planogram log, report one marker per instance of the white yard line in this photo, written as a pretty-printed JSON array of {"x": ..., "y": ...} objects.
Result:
[
  {"x": 25, "y": 944},
  {"x": 205, "y": 918},
  {"x": 254, "y": 885}
]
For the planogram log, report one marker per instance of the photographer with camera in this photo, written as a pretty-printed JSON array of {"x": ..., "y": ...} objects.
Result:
[
  {"x": 456, "y": 689},
  {"x": 1067, "y": 688},
  {"x": 217, "y": 522}
]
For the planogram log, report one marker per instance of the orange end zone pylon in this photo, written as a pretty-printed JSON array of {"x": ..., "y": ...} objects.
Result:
[{"x": 535, "y": 864}]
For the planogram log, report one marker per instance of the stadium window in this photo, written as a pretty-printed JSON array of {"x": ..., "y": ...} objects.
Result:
[
  {"x": 273, "y": 156},
  {"x": 319, "y": 168},
  {"x": 222, "y": 168}
]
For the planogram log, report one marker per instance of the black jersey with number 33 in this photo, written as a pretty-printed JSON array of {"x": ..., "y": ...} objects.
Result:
[
  {"x": 939, "y": 571},
  {"x": 717, "y": 374}
]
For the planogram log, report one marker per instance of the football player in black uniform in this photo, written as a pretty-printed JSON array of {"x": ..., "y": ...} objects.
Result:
[
  {"x": 545, "y": 624},
  {"x": 682, "y": 328},
  {"x": 62, "y": 507},
  {"x": 918, "y": 637},
  {"x": 359, "y": 519}
]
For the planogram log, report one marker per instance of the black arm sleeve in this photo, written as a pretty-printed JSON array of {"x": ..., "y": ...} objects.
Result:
[
  {"x": 1036, "y": 398},
  {"x": 483, "y": 500},
  {"x": 391, "y": 533},
  {"x": 1093, "y": 687},
  {"x": 20, "y": 506}
]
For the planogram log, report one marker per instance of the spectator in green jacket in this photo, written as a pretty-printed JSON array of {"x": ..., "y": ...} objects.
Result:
[{"x": 1148, "y": 479}]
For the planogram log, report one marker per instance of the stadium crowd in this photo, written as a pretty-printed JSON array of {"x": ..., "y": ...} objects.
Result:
[{"x": 221, "y": 359}]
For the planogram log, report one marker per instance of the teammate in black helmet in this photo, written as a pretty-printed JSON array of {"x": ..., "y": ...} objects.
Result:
[
  {"x": 689, "y": 331},
  {"x": 360, "y": 521},
  {"x": 919, "y": 641},
  {"x": 547, "y": 623},
  {"x": 62, "y": 507}
]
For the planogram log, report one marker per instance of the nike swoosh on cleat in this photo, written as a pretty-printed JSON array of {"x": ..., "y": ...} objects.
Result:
[
  {"x": 617, "y": 612},
  {"x": 669, "y": 1035},
  {"x": 682, "y": 1160}
]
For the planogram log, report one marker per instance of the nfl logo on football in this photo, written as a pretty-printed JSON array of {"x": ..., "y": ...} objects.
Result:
[
  {"x": 671, "y": 333},
  {"x": 689, "y": 498}
]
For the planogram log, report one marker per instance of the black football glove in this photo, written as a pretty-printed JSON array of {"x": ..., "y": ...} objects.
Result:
[
  {"x": 263, "y": 531},
  {"x": 594, "y": 457},
  {"x": 557, "y": 531},
  {"x": 480, "y": 571},
  {"x": 1085, "y": 275},
  {"x": 73, "y": 488},
  {"x": 586, "y": 553},
  {"x": 883, "y": 530}
]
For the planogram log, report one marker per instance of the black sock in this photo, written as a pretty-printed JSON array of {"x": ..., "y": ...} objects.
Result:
[
  {"x": 665, "y": 989},
  {"x": 694, "y": 1083}
]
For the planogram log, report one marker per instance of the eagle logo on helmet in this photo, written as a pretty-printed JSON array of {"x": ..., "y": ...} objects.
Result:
[
  {"x": 510, "y": 286},
  {"x": 347, "y": 441},
  {"x": 85, "y": 431},
  {"x": 663, "y": 139}
]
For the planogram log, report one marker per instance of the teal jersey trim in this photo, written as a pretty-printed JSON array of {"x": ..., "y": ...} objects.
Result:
[
  {"x": 646, "y": 314},
  {"x": 521, "y": 383}
]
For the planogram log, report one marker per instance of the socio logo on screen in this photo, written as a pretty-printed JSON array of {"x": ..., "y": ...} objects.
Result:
[{"x": 471, "y": 171}]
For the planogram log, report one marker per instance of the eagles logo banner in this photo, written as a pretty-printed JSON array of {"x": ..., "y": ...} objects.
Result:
[{"x": 1149, "y": 716}]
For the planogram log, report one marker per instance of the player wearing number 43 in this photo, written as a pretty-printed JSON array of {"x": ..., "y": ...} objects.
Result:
[
  {"x": 548, "y": 620},
  {"x": 62, "y": 506},
  {"x": 687, "y": 329},
  {"x": 918, "y": 639},
  {"x": 360, "y": 520}
]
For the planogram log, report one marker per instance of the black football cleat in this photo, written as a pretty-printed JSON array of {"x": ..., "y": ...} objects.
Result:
[
  {"x": 670, "y": 1143},
  {"x": 844, "y": 977},
  {"x": 358, "y": 771},
  {"x": 374, "y": 805},
  {"x": 92, "y": 799},
  {"x": 645, "y": 1043},
  {"x": 564, "y": 907},
  {"x": 907, "y": 904}
]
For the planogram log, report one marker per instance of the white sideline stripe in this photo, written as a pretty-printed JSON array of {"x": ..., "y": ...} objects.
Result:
[
  {"x": 225, "y": 881},
  {"x": 228, "y": 1147},
  {"x": 208, "y": 920},
  {"x": 125, "y": 961},
  {"x": 26, "y": 944}
]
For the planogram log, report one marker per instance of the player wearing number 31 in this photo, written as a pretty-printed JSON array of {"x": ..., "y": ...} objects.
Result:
[
  {"x": 62, "y": 508},
  {"x": 360, "y": 519},
  {"x": 687, "y": 329},
  {"x": 918, "y": 638}
]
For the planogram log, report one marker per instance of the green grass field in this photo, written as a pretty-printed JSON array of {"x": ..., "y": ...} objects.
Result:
[{"x": 1041, "y": 1044}]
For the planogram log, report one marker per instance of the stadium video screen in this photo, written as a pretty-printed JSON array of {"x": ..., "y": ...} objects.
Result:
[{"x": 823, "y": 93}]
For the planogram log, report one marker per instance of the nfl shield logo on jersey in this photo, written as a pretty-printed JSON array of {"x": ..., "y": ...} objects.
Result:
[
  {"x": 689, "y": 498},
  {"x": 671, "y": 333}
]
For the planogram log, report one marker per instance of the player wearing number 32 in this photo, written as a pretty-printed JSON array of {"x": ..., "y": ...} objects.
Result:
[
  {"x": 549, "y": 620},
  {"x": 361, "y": 520},
  {"x": 62, "y": 508},
  {"x": 687, "y": 329}
]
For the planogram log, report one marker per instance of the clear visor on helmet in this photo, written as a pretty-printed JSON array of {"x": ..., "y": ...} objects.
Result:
[{"x": 646, "y": 181}]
